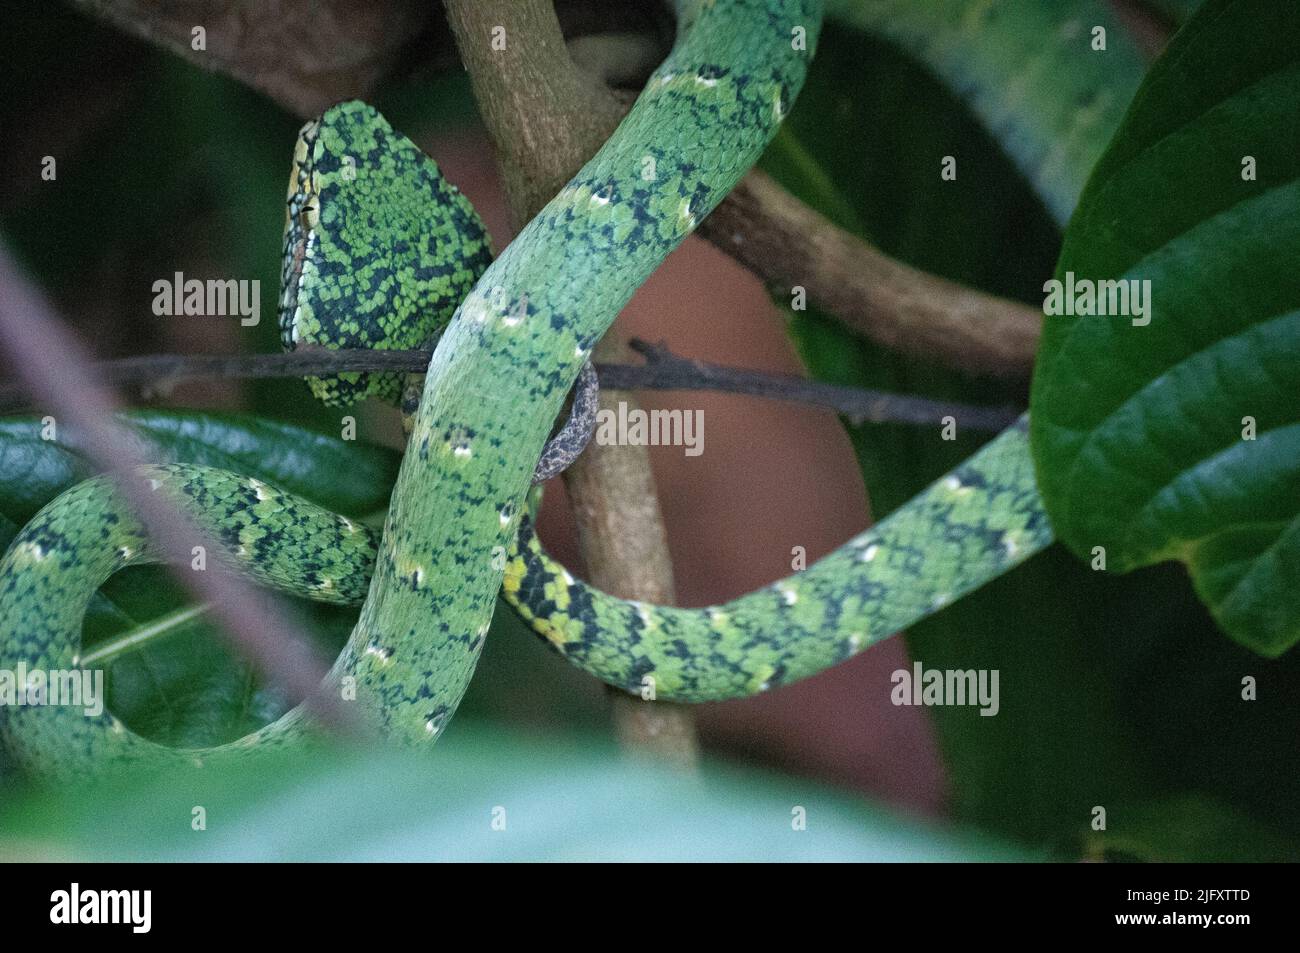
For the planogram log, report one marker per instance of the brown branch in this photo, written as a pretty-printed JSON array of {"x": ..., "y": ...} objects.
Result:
[
  {"x": 895, "y": 305},
  {"x": 306, "y": 56},
  {"x": 546, "y": 118},
  {"x": 665, "y": 370},
  {"x": 61, "y": 377}
]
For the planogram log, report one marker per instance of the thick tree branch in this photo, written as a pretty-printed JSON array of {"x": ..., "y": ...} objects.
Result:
[
  {"x": 305, "y": 55},
  {"x": 899, "y": 307},
  {"x": 546, "y": 119}
]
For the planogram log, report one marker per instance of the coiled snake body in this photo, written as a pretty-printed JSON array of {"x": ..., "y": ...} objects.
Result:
[{"x": 376, "y": 242}]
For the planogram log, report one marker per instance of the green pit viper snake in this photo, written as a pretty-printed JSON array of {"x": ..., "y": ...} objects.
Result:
[{"x": 377, "y": 245}]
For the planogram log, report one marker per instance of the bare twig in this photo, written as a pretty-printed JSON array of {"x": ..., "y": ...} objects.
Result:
[
  {"x": 662, "y": 370},
  {"x": 61, "y": 377},
  {"x": 665, "y": 370}
]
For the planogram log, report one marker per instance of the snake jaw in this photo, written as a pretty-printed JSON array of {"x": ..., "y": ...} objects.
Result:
[{"x": 302, "y": 219}]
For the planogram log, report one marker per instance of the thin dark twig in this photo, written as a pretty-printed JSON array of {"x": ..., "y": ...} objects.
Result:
[
  {"x": 57, "y": 370},
  {"x": 663, "y": 370}
]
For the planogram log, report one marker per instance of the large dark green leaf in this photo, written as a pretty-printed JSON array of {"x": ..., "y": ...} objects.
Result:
[
  {"x": 556, "y": 800},
  {"x": 1090, "y": 724},
  {"x": 1180, "y": 438},
  {"x": 341, "y": 475},
  {"x": 170, "y": 676}
]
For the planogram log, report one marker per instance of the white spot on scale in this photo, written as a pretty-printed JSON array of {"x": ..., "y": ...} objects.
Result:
[
  {"x": 598, "y": 198},
  {"x": 718, "y": 617},
  {"x": 413, "y": 572},
  {"x": 686, "y": 214},
  {"x": 953, "y": 484},
  {"x": 870, "y": 552},
  {"x": 463, "y": 451},
  {"x": 941, "y": 600},
  {"x": 709, "y": 81},
  {"x": 788, "y": 594},
  {"x": 579, "y": 353},
  {"x": 350, "y": 526},
  {"x": 260, "y": 489},
  {"x": 1010, "y": 543},
  {"x": 154, "y": 484},
  {"x": 642, "y": 612},
  {"x": 505, "y": 517},
  {"x": 430, "y": 727},
  {"x": 855, "y": 642},
  {"x": 30, "y": 551},
  {"x": 380, "y": 653},
  {"x": 568, "y": 577}
]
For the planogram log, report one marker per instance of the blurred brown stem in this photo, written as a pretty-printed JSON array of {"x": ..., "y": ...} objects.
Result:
[{"x": 546, "y": 119}]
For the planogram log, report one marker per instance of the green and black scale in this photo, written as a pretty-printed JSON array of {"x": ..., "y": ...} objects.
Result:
[{"x": 390, "y": 245}]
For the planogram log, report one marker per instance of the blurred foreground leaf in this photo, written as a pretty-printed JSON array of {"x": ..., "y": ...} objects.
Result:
[{"x": 554, "y": 801}]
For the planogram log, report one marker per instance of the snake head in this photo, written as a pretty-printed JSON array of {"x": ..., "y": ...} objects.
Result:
[{"x": 379, "y": 248}]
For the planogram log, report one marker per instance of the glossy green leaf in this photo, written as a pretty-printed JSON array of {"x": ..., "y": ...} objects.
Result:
[
  {"x": 1173, "y": 432},
  {"x": 170, "y": 676},
  {"x": 1124, "y": 688},
  {"x": 341, "y": 475},
  {"x": 494, "y": 799}
]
